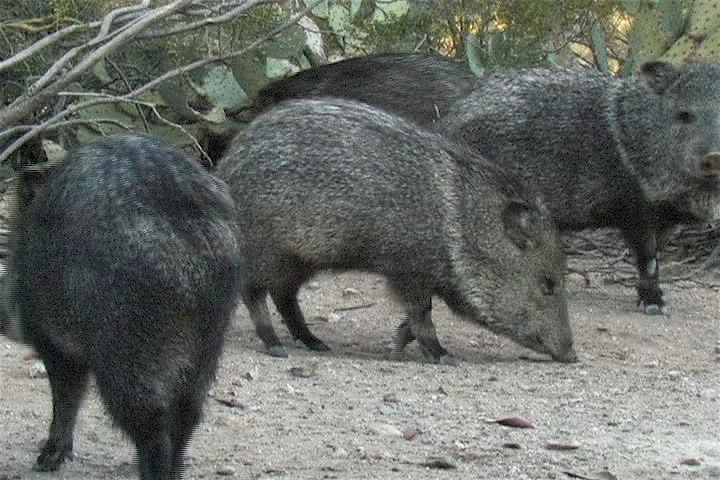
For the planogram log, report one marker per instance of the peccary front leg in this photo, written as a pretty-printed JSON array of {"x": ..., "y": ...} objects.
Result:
[
  {"x": 254, "y": 300},
  {"x": 418, "y": 325},
  {"x": 643, "y": 243},
  {"x": 68, "y": 381},
  {"x": 287, "y": 304}
]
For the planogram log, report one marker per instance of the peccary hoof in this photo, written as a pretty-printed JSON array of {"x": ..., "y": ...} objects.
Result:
[
  {"x": 447, "y": 359},
  {"x": 277, "y": 351},
  {"x": 569, "y": 357},
  {"x": 317, "y": 345},
  {"x": 443, "y": 359},
  {"x": 653, "y": 309},
  {"x": 51, "y": 458}
]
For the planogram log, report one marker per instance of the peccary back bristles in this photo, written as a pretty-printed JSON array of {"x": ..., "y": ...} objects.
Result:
[{"x": 417, "y": 86}]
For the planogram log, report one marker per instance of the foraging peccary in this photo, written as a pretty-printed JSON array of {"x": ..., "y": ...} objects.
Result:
[
  {"x": 642, "y": 156},
  {"x": 124, "y": 264},
  {"x": 417, "y": 86},
  {"x": 337, "y": 184}
]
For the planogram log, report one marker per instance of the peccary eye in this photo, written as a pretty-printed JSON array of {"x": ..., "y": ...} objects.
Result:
[
  {"x": 684, "y": 116},
  {"x": 548, "y": 286}
]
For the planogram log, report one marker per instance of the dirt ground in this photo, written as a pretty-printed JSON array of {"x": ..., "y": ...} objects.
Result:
[{"x": 642, "y": 403}]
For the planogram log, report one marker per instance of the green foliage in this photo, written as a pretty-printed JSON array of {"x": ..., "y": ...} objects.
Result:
[{"x": 490, "y": 33}]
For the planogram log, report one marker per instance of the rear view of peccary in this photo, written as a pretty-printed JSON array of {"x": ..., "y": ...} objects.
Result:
[
  {"x": 337, "y": 184},
  {"x": 640, "y": 155},
  {"x": 124, "y": 264},
  {"x": 415, "y": 85}
]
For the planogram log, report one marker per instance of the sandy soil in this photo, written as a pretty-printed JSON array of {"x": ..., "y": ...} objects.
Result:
[{"x": 641, "y": 404}]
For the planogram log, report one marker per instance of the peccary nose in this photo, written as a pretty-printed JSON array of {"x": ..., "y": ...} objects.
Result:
[{"x": 710, "y": 165}]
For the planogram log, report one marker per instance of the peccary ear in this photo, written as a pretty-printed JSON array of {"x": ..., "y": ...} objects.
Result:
[
  {"x": 518, "y": 219},
  {"x": 659, "y": 76}
]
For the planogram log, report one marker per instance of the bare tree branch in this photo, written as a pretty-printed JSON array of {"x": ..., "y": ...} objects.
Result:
[
  {"x": 27, "y": 103},
  {"x": 218, "y": 20},
  {"x": 31, "y": 131}
]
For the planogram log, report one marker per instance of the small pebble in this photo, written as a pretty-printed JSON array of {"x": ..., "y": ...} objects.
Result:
[
  {"x": 340, "y": 453},
  {"x": 390, "y": 398},
  {"x": 303, "y": 372},
  {"x": 38, "y": 370},
  {"x": 410, "y": 432},
  {"x": 511, "y": 445},
  {"x": 350, "y": 292},
  {"x": 226, "y": 471},
  {"x": 231, "y": 402},
  {"x": 317, "y": 319},
  {"x": 385, "y": 410},
  {"x": 562, "y": 446},
  {"x": 443, "y": 463},
  {"x": 384, "y": 429},
  {"x": 693, "y": 462}
]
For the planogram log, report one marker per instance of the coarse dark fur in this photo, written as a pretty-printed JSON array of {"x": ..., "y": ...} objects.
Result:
[
  {"x": 336, "y": 184},
  {"x": 124, "y": 264},
  {"x": 640, "y": 155},
  {"x": 417, "y": 86}
]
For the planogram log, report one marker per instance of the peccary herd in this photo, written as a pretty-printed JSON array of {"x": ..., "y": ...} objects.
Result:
[{"x": 128, "y": 258}]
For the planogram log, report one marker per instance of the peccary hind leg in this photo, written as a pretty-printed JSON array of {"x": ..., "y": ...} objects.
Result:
[
  {"x": 287, "y": 305},
  {"x": 254, "y": 300},
  {"x": 68, "y": 381},
  {"x": 643, "y": 243}
]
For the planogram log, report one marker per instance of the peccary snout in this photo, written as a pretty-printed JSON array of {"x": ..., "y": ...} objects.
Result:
[{"x": 710, "y": 165}]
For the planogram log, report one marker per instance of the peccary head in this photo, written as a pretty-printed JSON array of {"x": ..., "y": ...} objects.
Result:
[
  {"x": 532, "y": 307},
  {"x": 691, "y": 104},
  {"x": 526, "y": 268}
]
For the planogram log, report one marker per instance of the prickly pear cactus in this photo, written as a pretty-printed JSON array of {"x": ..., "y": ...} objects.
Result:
[
  {"x": 658, "y": 25},
  {"x": 677, "y": 30}
]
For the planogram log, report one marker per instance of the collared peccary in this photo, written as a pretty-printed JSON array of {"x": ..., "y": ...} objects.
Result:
[
  {"x": 418, "y": 86},
  {"x": 337, "y": 184},
  {"x": 124, "y": 264},
  {"x": 640, "y": 155}
]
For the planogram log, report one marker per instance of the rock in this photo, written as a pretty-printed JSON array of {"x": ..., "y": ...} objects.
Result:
[
  {"x": 386, "y": 410},
  {"x": 226, "y": 471},
  {"x": 38, "y": 370},
  {"x": 350, "y": 292},
  {"x": 512, "y": 445},
  {"x": 317, "y": 319},
  {"x": 340, "y": 452},
  {"x": 514, "y": 422},
  {"x": 231, "y": 402},
  {"x": 390, "y": 398},
  {"x": 306, "y": 371},
  {"x": 562, "y": 445},
  {"x": 443, "y": 463},
  {"x": 385, "y": 430},
  {"x": 410, "y": 432},
  {"x": 693, "y": 462}
]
